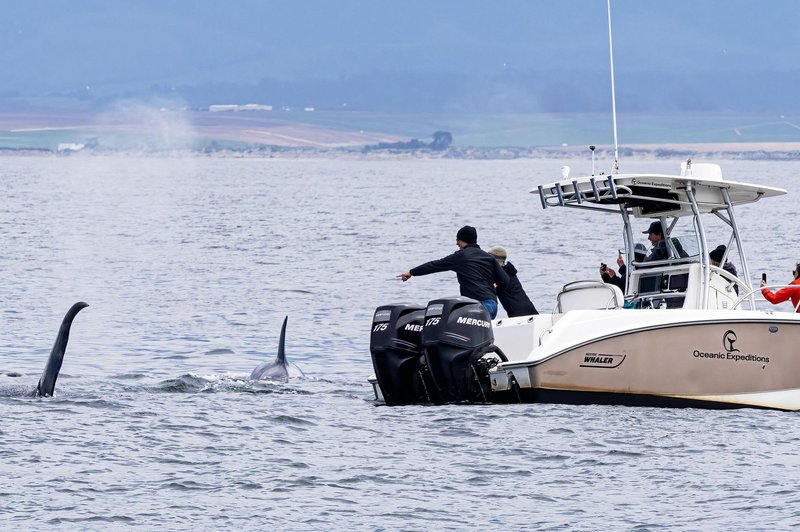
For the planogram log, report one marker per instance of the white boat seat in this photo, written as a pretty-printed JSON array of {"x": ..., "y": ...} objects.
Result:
[{"x": 588, "y": 295}]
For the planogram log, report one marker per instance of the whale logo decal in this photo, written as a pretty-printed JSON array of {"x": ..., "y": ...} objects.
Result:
[{"x": 728, "y": 340}]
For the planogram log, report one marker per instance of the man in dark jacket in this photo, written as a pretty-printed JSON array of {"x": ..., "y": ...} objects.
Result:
[
  {"x": 513, "y": 296},
  {"x": 716, "y": 256},
  {"x": 476, "y": 270}
]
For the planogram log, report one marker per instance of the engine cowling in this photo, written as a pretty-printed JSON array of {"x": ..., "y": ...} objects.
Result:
[
  {"x": 457, "y": 332},
  {"x": 396, "y": 348}
]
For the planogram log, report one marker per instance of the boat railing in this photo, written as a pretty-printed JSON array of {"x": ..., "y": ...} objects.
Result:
[
  {"x": 561, "y": 194},
  {"x": 772, "y": 287}
]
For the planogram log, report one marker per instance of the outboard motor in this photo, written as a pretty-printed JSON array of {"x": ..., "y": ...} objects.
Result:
[
  {"x": 457, "y": 333},
  {"x": 396, "y": 347}
]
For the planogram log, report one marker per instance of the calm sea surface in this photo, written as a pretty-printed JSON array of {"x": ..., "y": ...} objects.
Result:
[{"x": 190, "y": 265}]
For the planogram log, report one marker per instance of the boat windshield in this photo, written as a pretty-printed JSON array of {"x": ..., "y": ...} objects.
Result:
[
  {"x": 679, "y": 249},
  {"x": 684, "y": 246}
]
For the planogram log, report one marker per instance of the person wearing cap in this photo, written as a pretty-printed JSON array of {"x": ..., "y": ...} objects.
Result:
[
  {"x": 610, "y": 276},
  {"x": 655, "y": 234},
  {"x": 790, "y": 292},
  {"x": 476, "y": 270},
  {"x": 716, "y": 255},
  {"x": 513, "y": 297}
]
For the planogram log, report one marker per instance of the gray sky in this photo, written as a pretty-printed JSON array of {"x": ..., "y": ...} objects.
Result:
[{"x": 113, "y": 47}]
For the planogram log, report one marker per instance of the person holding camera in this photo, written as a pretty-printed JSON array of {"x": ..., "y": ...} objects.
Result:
[
  {"x": 610, "y": 276},
  {"x": 790, "y": 292}
]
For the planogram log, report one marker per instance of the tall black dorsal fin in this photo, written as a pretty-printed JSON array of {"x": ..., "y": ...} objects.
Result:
[{"x": 47, "y": 382}]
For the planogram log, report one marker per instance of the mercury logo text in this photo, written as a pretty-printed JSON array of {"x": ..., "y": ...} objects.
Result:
[{"x": 474, "y": 321}]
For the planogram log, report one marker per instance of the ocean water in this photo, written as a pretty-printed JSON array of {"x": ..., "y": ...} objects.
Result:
[{"x": 189, "y": 266}]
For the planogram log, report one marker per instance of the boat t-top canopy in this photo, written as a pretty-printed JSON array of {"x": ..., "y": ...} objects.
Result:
[
  {"x": 654, "y": 195},
  {"x": 698, "y": 190}
]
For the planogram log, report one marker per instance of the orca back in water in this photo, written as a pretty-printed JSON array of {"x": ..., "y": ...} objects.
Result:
[
  {"x": 47, "y": 382},
  {"x": 278, "y": 369}
]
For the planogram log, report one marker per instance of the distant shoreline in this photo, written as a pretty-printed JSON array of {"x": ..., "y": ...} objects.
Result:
[
  {"x": 138, "y": 129},
  {"x": 733, "y": 151}
]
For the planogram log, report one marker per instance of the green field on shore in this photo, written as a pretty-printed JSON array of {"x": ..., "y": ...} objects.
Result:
[
  {"x": 197, "y": 129},
  {"x": 571, "y": 128}
]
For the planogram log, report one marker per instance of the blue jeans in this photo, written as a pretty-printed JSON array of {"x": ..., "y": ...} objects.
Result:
[{"x": 491, "y": 306}]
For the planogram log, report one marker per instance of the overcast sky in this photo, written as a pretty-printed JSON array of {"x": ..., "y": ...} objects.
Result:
[
  {"x": 57, "y": 45},
  {"x": 60, "y": 42}
]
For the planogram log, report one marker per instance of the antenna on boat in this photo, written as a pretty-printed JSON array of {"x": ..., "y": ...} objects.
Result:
[
  {"x": 613, "y": 94},
  {"x": 592, "y": 147}
]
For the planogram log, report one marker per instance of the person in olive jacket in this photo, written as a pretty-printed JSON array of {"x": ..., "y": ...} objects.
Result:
[
  {"x": 476, "y": 270},
  {"x": 512, "y": 296}
]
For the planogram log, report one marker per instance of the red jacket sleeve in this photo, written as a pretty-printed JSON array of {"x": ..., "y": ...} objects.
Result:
[{"x": 784, "y": 294}]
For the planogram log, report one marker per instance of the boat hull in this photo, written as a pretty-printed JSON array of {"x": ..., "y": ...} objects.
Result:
[{"x": 713, "y": 363}]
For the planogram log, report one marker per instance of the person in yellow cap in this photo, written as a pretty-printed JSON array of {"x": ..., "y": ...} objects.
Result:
[{"x": 513, "y": 297}]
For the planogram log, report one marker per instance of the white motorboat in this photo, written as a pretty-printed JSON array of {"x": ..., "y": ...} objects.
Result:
[{"x": 685, "y": 333}]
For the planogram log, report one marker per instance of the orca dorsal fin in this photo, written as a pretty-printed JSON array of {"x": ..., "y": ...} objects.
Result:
[
  {"x": 282, "y": 343},
  {"x": 276, "y": 369},
  {"x": 47, "y": 382}
]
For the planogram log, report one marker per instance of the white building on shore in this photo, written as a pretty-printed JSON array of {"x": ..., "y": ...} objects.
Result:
[{"x": 228, "y": 107}]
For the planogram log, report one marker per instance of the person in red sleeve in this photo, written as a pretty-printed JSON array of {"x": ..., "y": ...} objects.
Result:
[{"x": 790, "y": 292}]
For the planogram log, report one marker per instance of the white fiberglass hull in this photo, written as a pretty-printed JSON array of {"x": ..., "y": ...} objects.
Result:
[{"x": 721, "y": 359}]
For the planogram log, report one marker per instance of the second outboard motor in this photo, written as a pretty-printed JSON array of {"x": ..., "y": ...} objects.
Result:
[
  {"x": 457, "y": 333},
  {"x": 396, "y": 347}
]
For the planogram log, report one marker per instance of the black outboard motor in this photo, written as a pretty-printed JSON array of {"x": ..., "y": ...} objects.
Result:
[
  {"x": 457, "y": 333},
  {"x": 396, "y": 347}
]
